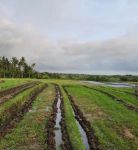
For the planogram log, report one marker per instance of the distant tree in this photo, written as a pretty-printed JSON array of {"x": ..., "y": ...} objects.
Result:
[
  {"x": 14, "y": 66},
  {"x": 22, "y": 64},
  {"x": 1, "y": 67}
]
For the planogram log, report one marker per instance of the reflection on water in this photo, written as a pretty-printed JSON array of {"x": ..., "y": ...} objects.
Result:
[
  {"x": 112, "y": 84},
  {"x": 58, "y": 133},
  {"x": 84, "y": 136},
  {"x": 83, "y": 133}
]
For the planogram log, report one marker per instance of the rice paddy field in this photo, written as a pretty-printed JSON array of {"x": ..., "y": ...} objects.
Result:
[{"x": 67, "y": 115}]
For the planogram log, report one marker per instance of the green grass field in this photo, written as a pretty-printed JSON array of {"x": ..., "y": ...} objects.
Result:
[
  {"x": 29, "y": 132},
  {"x": 115, "y": 126},
  {"x": 9, "y": 83}
]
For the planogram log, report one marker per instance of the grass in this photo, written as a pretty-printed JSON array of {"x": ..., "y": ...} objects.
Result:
[
  {"x": 115, "y": 126},
  {"x": 30, "y": 132},
  {"x": 71, "y": 124},
  {"x": 110, "y": 120},
  {"x": 9, "y": 83},
  {"x": 121, "y": 94},
  {"x": 14, "y": 105}
]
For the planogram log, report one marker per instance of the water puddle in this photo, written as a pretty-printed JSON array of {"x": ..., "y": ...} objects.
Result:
[
  {"x": 82, "y": 132},
  {"x": 84, "y": 136},
  {"x": 112, "y": 84},
  {"x": 58, "y": 133}
]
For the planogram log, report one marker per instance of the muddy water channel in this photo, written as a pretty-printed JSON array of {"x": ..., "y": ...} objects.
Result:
[
  {"x": 58, "y": 132},
  {"x": 61, "y": 137},
  {"x": 82, "y": 131},
  {"x": 83, "y": 135}
]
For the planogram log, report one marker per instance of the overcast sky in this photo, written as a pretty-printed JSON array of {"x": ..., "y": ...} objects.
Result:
[{"x": 76, "y": 36}]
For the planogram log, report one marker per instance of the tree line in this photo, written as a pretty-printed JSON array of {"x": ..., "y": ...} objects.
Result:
[
  {"x": 19, "y": 68},
  {"x": 16, "y": 68},
  {"x": 88, "y": 77}
]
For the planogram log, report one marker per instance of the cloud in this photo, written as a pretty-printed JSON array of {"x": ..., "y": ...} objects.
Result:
[
  {"x": 117, "y": 54},
  {"x": 21, "y": 37}
]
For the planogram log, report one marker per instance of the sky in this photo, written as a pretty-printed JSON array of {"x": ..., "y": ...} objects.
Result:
[{"x": 72, "y": 36}]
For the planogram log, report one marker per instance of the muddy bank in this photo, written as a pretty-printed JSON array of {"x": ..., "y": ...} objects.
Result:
[
  {"x": 50, "y": 140},
  {"x": 50, "y": 128},
  {"x": 12, "y": 93},
  {"x": 17, "y": 116},
  {"x": 92, "y": 140},
  {"x": 129, "y": 106},
  {"x": 14, "y": 89}
]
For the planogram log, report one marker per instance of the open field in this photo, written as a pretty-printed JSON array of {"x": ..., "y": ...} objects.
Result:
[{"x": 68, "y": 115}]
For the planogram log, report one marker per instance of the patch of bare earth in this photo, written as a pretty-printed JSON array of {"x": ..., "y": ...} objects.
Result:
[{"x": 128, "y": 134}]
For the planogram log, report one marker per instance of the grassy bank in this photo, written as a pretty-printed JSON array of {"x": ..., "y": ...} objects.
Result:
[
  {"x": 115, "y": 126},
  {"x": 72, "y": 128},
  {"x": 30, "y": 132}
]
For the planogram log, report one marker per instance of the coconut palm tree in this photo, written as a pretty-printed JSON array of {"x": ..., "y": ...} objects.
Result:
[
  {"x": 22, "y": 65},
  {"x": 14, "y": 65}
]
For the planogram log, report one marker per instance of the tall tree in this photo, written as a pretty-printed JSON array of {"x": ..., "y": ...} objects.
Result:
[
  {"x": 14, "y": 66},
  {"x": 22, "y": 65},
  {"x": 4, "y": 66}
]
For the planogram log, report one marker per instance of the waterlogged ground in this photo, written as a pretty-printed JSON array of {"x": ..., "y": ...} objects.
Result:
[{"x": 112, "y": 124}]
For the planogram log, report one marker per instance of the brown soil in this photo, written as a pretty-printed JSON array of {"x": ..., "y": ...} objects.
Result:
[
  {"x": 50, "y": 140},
  {"x": 127, "y": 133},
  {"x": 17, "y": 116}
]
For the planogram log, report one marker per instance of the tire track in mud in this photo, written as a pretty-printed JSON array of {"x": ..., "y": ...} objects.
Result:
[
  {"x": 50, "y": 128},
  {"x": 92, "y": 140},
  {"x": 11, "y": 93},
  {"x": 121, "y": 101},
  {"x": 17, "y": 116}
]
